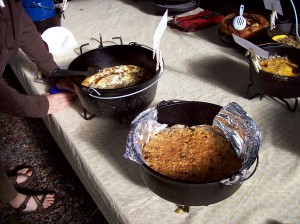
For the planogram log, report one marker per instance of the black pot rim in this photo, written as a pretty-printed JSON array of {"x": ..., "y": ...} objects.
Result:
[
  {"x": 276, "y": 77},
  {"x": 177, "y": 182},
  {"x": 120, "y": 92}
]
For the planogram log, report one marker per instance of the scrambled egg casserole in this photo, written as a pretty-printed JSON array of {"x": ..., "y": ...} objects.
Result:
[
  {"x": 117, "y": 77},
  {"x": 279, "y": 66}
]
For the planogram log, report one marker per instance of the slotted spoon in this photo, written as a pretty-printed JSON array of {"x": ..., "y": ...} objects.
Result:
[{"x": 239, "y": 22}]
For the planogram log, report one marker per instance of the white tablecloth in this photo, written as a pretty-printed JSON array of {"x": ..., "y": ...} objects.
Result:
[{"x": 197, "y": 67}]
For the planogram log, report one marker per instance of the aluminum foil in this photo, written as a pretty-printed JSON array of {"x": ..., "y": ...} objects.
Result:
[
  {"x": 243, "y": 134},
  {"x": 232, "y": 120},
  {"x": 143, "y": 127}
]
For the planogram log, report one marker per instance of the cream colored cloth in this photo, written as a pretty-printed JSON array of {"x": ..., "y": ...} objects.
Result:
[{"x": 197, "y": 67}]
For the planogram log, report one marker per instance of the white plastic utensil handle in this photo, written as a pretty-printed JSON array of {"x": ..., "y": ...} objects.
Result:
[
  {"x": 272, "y": 19},
  {"x": 254, "y": 58},
  {"x": 159, "y": 32},
  {"x": 296, "y": 21},
  {"x": 157, "y": 36},
  {"x": 241, "y": 10}
]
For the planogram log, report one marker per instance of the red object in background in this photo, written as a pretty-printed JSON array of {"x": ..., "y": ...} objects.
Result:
[{"x": 196, "y": 22}]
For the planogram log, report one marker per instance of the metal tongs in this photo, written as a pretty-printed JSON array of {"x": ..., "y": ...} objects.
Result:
[{"x": 92, "y": 70}]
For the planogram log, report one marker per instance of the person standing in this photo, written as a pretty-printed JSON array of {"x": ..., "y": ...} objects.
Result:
[{"x": 17, "y": 31}]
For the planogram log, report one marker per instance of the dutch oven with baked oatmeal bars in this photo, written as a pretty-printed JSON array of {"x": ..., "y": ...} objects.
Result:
[{"x": 189, "y": 113}]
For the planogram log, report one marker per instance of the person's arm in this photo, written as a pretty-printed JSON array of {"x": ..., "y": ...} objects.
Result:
[
  {"x": 34, "y": 47},
  {"x": 17, "y": 104}
]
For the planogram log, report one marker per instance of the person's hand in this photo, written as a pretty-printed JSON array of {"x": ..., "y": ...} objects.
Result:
[
  {"x": 59, "y": 101},
  {"x": 65, "y": 84}
]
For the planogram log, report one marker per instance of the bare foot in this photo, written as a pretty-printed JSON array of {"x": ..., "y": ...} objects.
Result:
[
  {"x": 20, "y": 178},
  {"x": 32, "y": 205}
]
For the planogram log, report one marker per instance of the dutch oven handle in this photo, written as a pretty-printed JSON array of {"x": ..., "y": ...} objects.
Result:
[
  {"x": 83, "y": 45},
  {"x": 253, "y": 171},
  {"x": 168, "y": 102},
  {"x": 90, "y": 91},
  {"x": 239, "y": 177},
  {"x": 140, "y": 45}
]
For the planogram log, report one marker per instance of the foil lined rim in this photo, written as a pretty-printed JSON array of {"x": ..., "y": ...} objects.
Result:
[{"x": 232, "y": 120}]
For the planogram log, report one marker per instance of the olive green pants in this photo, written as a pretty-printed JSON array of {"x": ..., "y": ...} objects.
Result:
[{"x": 7, "y": 190}]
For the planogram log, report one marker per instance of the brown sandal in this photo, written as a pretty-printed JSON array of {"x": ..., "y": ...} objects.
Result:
[
  {"x": 39, "y": 208},
  {"x": 14, "y": 175}
]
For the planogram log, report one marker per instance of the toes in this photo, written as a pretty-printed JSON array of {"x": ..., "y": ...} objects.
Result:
[
  {"x": 29, "y": 172},
  {"x": 47, "y": 205},
  {"x": 25, "y": 171},
  {"x": 20, "y": 178},
  {"x": 50, "y": 197},
  {"x": 49, "y": 200}
]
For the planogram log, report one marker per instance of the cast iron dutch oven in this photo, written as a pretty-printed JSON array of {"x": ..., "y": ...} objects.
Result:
[
  {"x": 116, "y": 102},
  {"x": 275, "y": 85},
  {"x": 282, "y": 29},
  {"x": 188, "y": 113}
]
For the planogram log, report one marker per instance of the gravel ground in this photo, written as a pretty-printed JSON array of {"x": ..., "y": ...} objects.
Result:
[{"x": 28, "y": 141}]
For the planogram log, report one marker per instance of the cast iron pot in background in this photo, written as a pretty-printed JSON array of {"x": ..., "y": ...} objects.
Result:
[
  {"x": 266, "y": 83},
  {"x": 188, "y": 113},
  {"x": 282, "y": 29},
  {"x": 175, "y": 6},
  {"x": 116, "y": 102}
]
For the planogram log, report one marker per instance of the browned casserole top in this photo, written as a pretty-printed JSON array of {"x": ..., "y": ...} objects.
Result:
[
  {"x": 116, "y": 77},
  {"x": 255, "y": 24},
  {"x": 191, "y": 154}
]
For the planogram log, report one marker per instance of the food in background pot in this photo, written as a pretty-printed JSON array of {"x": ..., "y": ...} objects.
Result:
[
  {"x": 195, "y": 154},
  {"x": 117, "y": 77},
  {"x": 279, "y": 66},
  {"x": 255, "y": 24},
  {"x": 287, "y": 40}
]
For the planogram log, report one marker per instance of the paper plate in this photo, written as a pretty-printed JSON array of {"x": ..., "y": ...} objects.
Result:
[{"x": 59, "y": 39}]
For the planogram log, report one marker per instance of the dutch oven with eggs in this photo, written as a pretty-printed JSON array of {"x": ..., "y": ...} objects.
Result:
[
  {"x": 189, "y": 193},
  {"x": 277, "y": 85},
  {"x": 117, "y": 102}
]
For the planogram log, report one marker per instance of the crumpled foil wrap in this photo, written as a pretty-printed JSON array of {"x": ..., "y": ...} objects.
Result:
[
  {"x": 143, "y": 127},
  {"x": 243, "y": 134},
  {"x": 237, "y": 126}
]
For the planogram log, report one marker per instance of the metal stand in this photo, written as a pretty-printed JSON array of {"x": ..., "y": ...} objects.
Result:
[
  {"x": 86, "y": 116},
  {"x": 290, "y": 107},
  {"x": 183, "y": 208}
]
